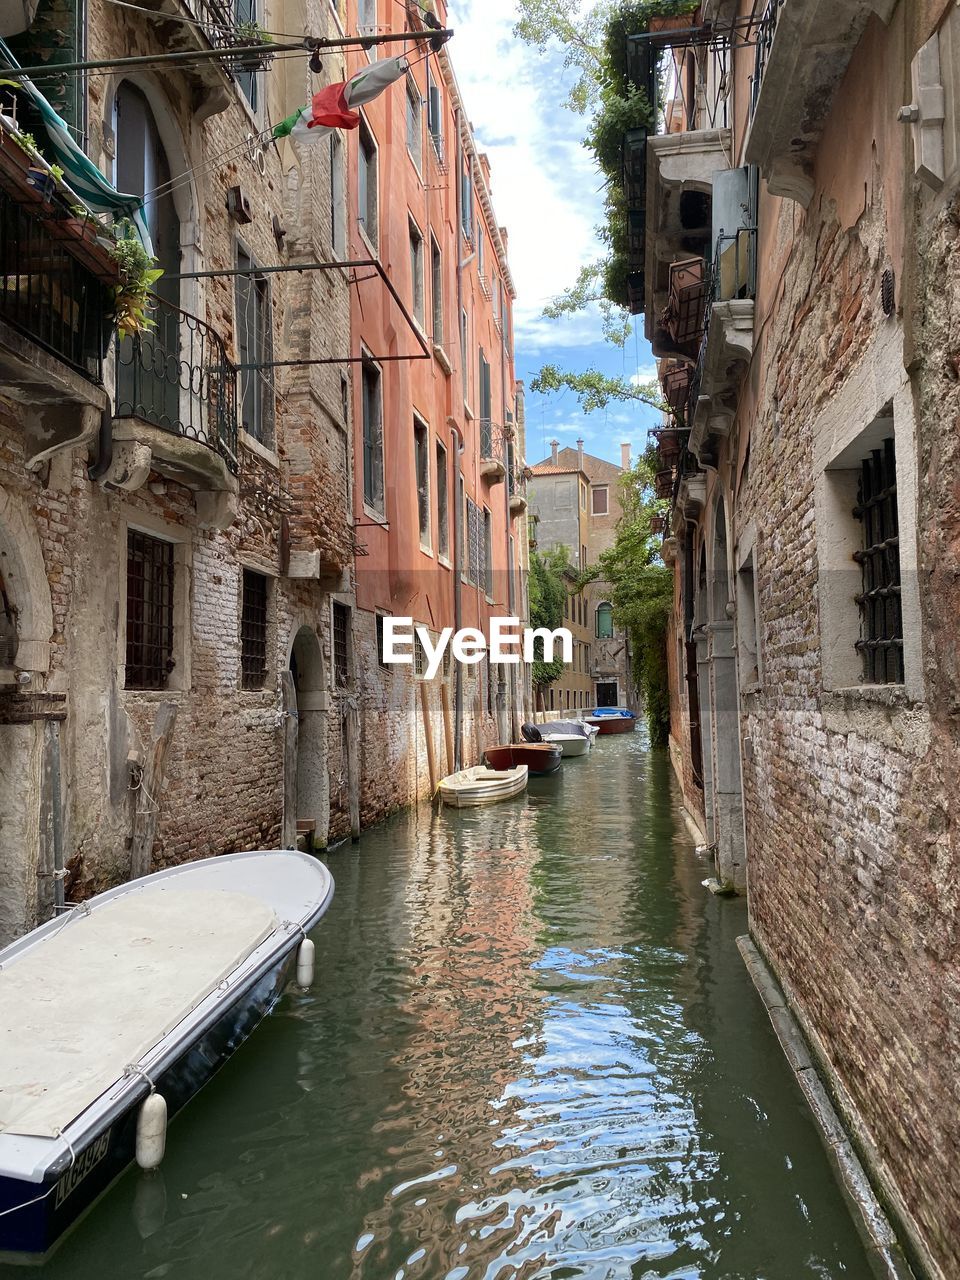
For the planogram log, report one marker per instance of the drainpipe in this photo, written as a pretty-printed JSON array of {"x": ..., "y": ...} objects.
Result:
[{"x": 98, "y": 469}]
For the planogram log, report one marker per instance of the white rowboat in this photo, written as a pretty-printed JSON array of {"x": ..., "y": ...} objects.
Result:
[{"x": 480, "y": 785}]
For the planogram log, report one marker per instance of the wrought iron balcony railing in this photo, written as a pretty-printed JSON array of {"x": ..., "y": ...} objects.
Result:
[
  {"x": 763, "y": 38},
  {"x": 178, "y": 377},
  {"x": 47, "y": 293},
  {"x": 733, "y": 275}
]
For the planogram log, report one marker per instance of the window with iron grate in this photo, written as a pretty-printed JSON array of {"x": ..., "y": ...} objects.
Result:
[
  {"x": 419, "y": 655},
  {"x": 341, "y": 645},
  {"x": 253, "y": 631},
  {"x": 379, "y": 625},
  {"x": 149, "y": 635},
  {"x": 881, "y": 616}
]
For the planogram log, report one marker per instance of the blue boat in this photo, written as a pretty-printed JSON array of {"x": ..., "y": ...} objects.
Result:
[
  {"x": 611, "y": 720},
  {"x": 118, "y": 1012}
]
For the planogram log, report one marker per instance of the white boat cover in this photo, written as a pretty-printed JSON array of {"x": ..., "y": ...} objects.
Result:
[{"x": 94, "y": 997}]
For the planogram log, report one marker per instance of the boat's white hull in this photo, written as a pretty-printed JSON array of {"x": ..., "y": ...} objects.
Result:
[
  {"x": 570, "y": 744},
  {"x": 479, "y": 785}
]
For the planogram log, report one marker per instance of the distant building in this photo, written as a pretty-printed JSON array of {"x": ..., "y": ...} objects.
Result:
[{"x": 575, "y": 503}]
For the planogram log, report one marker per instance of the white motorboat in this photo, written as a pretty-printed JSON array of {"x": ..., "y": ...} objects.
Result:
[
  {"x": 574, "y": 737},
  {"x": 116, "y": 1013},
  {"x": 480, "y": 785}
]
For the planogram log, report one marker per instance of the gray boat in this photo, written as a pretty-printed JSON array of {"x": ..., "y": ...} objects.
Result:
[{"x": 115, "y": 1014}]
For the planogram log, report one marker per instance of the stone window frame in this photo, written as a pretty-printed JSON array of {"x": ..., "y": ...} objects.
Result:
[
  {"x": 595, "y": 491},
  {"x": 875, "y": 399},
  {"x": 181, "y": 537},
  {"x": 747, "y": 634}
]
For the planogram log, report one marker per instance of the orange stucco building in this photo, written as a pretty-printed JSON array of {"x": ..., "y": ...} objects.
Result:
[{"x": 439, "y": 487}]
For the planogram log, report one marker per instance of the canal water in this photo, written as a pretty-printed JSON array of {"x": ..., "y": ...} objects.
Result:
[{"x": 533, "y": 1051}]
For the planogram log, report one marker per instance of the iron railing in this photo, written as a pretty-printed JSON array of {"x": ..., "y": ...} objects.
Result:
[
  {"x": 47, "y": 294},
  {"x": 763, "y": 42},
  {"x": 178, "y": 377}
]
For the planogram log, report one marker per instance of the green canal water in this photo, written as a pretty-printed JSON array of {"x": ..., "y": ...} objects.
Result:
[{"x": 533, "y": 1051}]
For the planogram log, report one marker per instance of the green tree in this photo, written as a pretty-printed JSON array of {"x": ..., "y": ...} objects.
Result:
[
  {"x": 547, "y": 587},
  {"x": 642, "y": 591}
]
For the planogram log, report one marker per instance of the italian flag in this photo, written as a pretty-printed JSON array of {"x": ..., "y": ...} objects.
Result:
[{"x": 335, "y": 106}]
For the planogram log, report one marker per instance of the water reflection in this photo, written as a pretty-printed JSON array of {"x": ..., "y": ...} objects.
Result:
[{"x": 533, "y": 1052}]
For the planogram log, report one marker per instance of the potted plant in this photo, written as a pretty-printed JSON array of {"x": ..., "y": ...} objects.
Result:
[
  {"x": 138, "y": 273},
  {"x": 252, "y": 35}
]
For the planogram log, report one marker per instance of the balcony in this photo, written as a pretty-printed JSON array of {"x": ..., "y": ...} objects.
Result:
[
  {"x": 211, "y": 26},
  {"x": 493, "y": 452},
  {"x": 175, "y": 412},
  {"x": 56, "y": 299},
  {"x": 517, "y": 487},
  {"x": 681, "y": 168},
  {"x": 802, "y": 53},
  {"x": 727, "y": 344}
]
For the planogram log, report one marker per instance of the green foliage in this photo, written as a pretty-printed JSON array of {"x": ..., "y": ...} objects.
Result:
[
  {"x": 642, "y": 592},
  {"x": 578, "y": 31},
  {"x": 595, "y": 390},
  {"x": 138, "y": 274},
  {"x": 547, "y": 592}
]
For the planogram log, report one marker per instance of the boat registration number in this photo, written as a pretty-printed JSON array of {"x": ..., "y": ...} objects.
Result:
[{"x": 85, "y": 1162}]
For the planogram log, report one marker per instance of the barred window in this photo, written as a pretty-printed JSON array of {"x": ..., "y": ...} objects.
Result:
[
  {"x": 149, "y": 649},
  {"x": 419, "y": 655},
  {"x": 341, "y": 654},
  {"x": 253, "y": 631},
  {"x": 881, "y": 617},
  {"x": 379, "y": 624}
]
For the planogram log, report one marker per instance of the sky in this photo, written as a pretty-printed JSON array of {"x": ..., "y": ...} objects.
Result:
[{"x": 547, "y": 193}]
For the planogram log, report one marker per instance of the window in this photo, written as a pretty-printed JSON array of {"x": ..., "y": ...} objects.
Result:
[
  {"x": 473, "y": 526},
  {"x": 481, "y": 264},
  {"x": 149, "y": 635},
  {"x": 338, "y": 210},
  {"x": 419, "y": 655},
  {"x": 434, "y": 113},
  {"x": 466, "y": 200},
  {"x": 421, "y": 447},
  {"x": 605, "y": 621},
  {"x": 379, "y": 626},
  {"x": 254, "y": 330},
  {"x": 583, "y": 557},
  {"x": 487, "y": 553},
  {"x": 511, "y": 581},
  {"x": 464, "y": 348},
  {"x": 748, "y": 640},
  {"x": 443, "y": 514},
  {"x": 245, "y": 11},
  {"x": 881, "y": 618},
  {"x": 416, "y": 272},
  {"x": 600, "y": 497},
  {"x": 486, "y": 426},
  {"x": 367, "y": 194},
  {"x": 414, "y": 123},
  {"x": 253, "y": 631},
  {"x": 372, "y": 436},
  {"x": 495, "y": 293},
  {"x": 583, "y": 496},
  {"x": 436, "y": 291},
  {"x": 341, "y": 645},
  {"x": 367, "y": 21}
]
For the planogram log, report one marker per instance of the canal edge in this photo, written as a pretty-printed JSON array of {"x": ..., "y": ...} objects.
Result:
[{"x": 884, "y": 1250}]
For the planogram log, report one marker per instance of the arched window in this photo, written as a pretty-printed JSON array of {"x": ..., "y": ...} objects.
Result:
[{"x": 605, "y": 621}]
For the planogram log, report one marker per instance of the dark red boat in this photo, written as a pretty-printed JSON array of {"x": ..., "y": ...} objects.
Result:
[
  {"x": 539, "y": 757},
  {"x": 612, "y": 720}
]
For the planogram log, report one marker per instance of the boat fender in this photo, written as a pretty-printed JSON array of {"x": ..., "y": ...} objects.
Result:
[
  {"x": 306, "y": 963},
  {"x": 531, "y": 733},
  {"x": 151, "y": 1131}
]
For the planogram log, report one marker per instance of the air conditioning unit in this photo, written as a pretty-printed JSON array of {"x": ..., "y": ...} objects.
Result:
[{"x": 239, "y": 206}]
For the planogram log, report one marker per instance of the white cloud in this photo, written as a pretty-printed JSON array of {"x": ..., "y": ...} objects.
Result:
[
  {"x": 644, "y": 374},
  {"x": 545, "y": 185}
]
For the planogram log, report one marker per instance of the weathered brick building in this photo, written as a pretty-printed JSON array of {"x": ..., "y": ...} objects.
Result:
[
  {"x": 163, "y": 541},
  {"x": 799, "y": 279}
]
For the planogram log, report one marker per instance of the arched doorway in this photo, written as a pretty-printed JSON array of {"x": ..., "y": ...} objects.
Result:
[
  {"x": 27, "y": 625},
  {"x": 149, "y": 386},
  {"x": 306, "y": 801}
]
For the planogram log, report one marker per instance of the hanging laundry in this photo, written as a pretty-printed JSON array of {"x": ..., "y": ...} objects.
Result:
[{"x": 334, "y": 107}]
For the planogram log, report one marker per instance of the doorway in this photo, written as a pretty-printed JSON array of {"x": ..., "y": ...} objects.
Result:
[
  {"x": 310, "y": 798},
  {"x": 607, "y": 694}
]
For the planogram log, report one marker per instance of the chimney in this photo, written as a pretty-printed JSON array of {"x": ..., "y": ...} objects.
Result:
[
  {"x": 625, "y": 456},
  {"x": 554, "y": 446},
  {"x": 580, "y": 454}
]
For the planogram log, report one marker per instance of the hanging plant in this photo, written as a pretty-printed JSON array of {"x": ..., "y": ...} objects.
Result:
[{"x": 132, "y": 301}]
